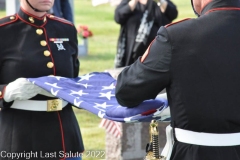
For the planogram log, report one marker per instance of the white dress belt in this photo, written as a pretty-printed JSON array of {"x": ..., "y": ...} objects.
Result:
[
  {"x": 207, "y": 139},
  {"x": 198, "y": 138},
  {"x": 38, "y": 105}
]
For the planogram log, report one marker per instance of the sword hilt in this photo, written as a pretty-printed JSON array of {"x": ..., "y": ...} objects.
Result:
[{"x": 153, "y": 146}]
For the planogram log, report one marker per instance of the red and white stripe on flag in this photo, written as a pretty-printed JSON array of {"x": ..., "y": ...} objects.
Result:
[{"x": 111, "y": 127}]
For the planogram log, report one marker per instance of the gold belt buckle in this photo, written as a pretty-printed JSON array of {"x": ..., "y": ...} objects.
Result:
[{"x": 54, "y": 105}]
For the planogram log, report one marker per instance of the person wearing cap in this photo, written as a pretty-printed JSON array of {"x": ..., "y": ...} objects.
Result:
[
  {"x": 197, "y": 60},
  {"x": 34, "y": 124}
]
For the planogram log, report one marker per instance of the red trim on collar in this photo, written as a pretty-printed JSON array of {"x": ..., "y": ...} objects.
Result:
[
  {"x": 222, "y": 9},
  {"x": 32, "y": 24},
  {"x": 176, "y": 22},
  {"x": 39, "y": 18}
]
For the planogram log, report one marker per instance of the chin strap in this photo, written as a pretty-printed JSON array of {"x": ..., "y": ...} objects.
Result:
[
  {"x": 35, "y": 9},
  {"x": 198, "y": 15}
]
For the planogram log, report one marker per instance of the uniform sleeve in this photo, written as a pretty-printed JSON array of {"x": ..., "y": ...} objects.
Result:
[
  {"x": 148, "y": 76},
  {"x": 4, "y": 104},
  {"x": 76, "y": 63},
  {"x": 122, "y": 12}
]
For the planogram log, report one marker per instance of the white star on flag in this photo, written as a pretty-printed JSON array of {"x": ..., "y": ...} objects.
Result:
[
  {"x": 77, "y": 103},
  {"x": 80, "y": 93},
  {"x": 54, "y": 92},
  {"x": 85, "y": 77},
  {"x": 103, "y": 105},
  {"x": 112, "y": 86},
  {"x": 108, "y": 95},
  {"x": 85, "y": 85},
  {"x": 53, "y": 85},
  {"x": 57, "y": 77}
]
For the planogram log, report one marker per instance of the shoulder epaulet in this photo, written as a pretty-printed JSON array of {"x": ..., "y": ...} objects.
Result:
[
  {"x": 170, "y": 24},
  {"x": 8, "y": 19},
  {"x": 59, "y": 19}
]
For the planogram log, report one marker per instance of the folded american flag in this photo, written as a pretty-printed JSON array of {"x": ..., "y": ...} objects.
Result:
[{"x": 95, "y": 92}]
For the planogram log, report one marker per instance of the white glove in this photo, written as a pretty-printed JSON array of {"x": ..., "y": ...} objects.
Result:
[
  {"x": 20, "y": 89},
  {"x": 162, "y": 95}
]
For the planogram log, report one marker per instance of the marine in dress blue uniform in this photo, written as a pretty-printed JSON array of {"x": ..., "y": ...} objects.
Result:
[
  {"x": 32, "y": 46},
  {"x": 197, "y": 60}
]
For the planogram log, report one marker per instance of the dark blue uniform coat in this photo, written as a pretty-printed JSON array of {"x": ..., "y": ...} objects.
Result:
[
  {"x": 27, "y": 49},
  {"x": 198, "y": 62}
]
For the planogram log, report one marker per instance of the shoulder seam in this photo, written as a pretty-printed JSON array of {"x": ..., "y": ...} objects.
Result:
[
  {"x": 170, "y": 24},
  {"x": 59, "y": 19},
  {"x": 15, "y": 18}
]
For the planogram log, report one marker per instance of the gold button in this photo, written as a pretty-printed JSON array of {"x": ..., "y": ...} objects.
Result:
[
  {"x": 51, "y": 16},
  {"x": 39, "y": 31},
  {"x": 31, "y": 19},
  {"x": 12, "y": 17},
  {"x": 46, "y": 53},
  {"x": 50, "y": 65},
  {"x": 0, "y": 93},
  {"x": 43, "y": 43}
]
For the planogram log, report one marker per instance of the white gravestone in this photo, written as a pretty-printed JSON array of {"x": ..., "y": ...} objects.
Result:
[{"x": 12, "y": 7}]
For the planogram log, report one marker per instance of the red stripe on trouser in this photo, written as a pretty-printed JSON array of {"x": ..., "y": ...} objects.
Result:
[{"x": 61, "y": 129}]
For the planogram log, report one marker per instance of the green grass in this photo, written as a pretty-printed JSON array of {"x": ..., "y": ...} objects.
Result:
[
  {"x": 102, "y": 49},
  {"x": 102, "y": 45},
  {"x": 184, "y": 9}
]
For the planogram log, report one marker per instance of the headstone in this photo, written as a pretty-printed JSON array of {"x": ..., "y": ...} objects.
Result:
[
  {"x": 132, "y": 144},
  {"x": 12, "y": 6},
  {"x": 83, "y": 47},
  {"x": 113, "y": 147},
  {"x": 134, "y": 139}
]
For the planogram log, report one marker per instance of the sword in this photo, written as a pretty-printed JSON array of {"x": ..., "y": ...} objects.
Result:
[{"x": 152, "y": 148}]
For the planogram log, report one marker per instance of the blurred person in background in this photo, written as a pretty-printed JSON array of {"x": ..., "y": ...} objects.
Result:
[
  {"x": 139, "y": 22},
  {"x": 168, "y": 9},
  {"x": 63, "y": 9}
]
